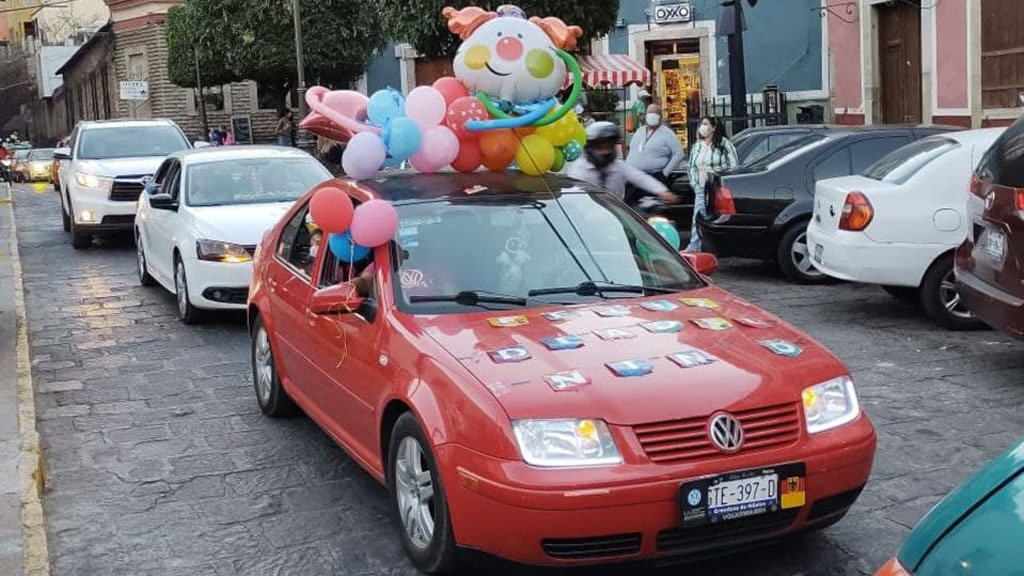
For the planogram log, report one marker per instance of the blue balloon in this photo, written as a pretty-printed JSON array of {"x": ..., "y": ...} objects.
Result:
[
  {"x": 667, "y": 230},
  {"x": 342, "y": 247},
  {"x": 403, "y": 138},
  {"x": 385, "y": 105},
  {"x": 572, "y": 151}
]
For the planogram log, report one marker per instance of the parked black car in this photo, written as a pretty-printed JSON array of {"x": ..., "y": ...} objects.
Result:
[
  {"x": 751, "y": 145},
  {"x": 761, "y": 209}
]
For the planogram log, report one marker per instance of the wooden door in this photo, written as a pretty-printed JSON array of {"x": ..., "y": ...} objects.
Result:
[{"x": 899, "y": 50}]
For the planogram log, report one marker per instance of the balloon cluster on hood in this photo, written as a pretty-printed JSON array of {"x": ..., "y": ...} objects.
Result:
[{"x": 500, "y": 107}]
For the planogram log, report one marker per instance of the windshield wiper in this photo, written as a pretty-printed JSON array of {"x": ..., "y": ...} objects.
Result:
[
  {"x": 471, "y": 298},
  {"x": 597, "y": 288}
]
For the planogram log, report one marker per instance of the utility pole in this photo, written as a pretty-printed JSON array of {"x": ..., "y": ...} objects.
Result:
[
  {"x": 201, "y": 99},
  {"x": 303, "y": 136},
  {"x": 732, "y": 25}
]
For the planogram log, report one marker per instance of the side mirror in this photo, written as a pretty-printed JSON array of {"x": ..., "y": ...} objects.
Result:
[
  {"x": 338, "y": 299},
  {"x": 200, "y": 144},
  {"x": 62, "y": 153},
  {"x": 704, "y": 263},
  {"x": 162, "y": 201}
]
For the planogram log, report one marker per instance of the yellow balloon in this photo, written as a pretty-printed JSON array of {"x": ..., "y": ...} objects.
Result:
[
  {"x": 536, "y": 155},
  {"x": 561, "y": 131},
  {"x": 580, "y": 135}
]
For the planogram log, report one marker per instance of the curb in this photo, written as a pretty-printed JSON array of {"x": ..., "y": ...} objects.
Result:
[{"x": 31, "y": 467}]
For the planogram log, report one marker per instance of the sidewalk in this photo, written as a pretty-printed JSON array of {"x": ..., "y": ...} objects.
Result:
[{"x": 22, "y": 533}]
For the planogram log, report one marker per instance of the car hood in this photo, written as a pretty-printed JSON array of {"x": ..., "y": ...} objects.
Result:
[
  {"x": 959, "y": 504},
  {"x": 746, "y": 375},
  {"x": 114, "y": 167},
  {"x": 239, "y": 223}
]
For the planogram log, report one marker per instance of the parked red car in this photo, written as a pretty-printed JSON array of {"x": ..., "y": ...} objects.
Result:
[
  {"x": 538, "y": 375},
  {"x": 989, "y": 265}
]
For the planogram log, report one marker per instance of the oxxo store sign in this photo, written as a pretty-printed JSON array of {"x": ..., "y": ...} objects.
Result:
[{"x": 672, "y": 13}]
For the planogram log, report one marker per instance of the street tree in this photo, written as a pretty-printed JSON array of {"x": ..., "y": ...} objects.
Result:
[
  {"x": 419, "y": 22},
  {"x": 234, "y": 40}
]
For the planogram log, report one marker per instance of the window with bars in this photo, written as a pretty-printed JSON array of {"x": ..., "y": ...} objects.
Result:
[{"x": 1002, "y": 54}]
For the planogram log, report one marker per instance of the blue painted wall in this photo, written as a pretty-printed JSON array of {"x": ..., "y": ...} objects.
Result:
[{"x": 782, "y": 45}]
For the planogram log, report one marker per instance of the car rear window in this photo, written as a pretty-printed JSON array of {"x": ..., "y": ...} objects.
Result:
[
  {"x": 903, "y": 163},
  {"x": 788, "y": 150},
  {"x": 1003, "y": 164}
]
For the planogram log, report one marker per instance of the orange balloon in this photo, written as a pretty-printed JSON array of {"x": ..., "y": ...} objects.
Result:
[
  {"x": 499, "y": 144},
  {"x": 496, "y": 164},
  {"x": 524, "y": 131}
]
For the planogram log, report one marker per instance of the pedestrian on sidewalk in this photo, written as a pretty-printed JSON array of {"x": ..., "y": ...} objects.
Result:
[
  {"x": 285, "y": 128},
  {"x": 655, "y": 148},
  {"x": 712, "y": 154},
  {"x": 214, "y": 137},
  {"x": 229, "y": 137}
]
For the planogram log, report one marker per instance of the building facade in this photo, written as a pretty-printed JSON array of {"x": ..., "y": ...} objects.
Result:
[{"x": 957, "y": 62}]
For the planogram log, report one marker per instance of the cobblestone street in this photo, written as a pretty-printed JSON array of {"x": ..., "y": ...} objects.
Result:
[{"x": 159, "y": 461}]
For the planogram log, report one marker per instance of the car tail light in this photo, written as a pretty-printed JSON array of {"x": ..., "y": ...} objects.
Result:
[
  {"x": 1020, "y": 199},
  {"x": 977, "y": 186},
  {"x": 723, "y": 201},
  {"x": 857, "y": 212}
]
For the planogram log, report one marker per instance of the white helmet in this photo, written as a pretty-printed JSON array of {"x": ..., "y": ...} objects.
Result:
[{"x": 599, "y": 131}]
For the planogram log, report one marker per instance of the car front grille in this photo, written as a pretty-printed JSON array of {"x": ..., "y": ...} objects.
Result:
[
  {"x": 705, "y": 538},
  {"x": 686, "y": 440},
  {"x": 127, "y": 188},
  {"x": 595, "y": 547}
]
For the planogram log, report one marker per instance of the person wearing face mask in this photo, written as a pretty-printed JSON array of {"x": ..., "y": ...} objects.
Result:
[
  {"x": 713, "y": 153},
  {"x": 655, "y": 148},
  {"x": 601, "y": 166}
]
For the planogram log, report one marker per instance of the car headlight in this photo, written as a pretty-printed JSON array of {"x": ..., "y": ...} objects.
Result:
[
  {"x": 221, "y": 251},
  {"x": 92, "y": 181},
  {"x": 566, "y": 442},
  {"x": 830, "y": 404}
]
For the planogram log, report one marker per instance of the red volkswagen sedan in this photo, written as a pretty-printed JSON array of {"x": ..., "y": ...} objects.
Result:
[{"x": 534, "y": 373}]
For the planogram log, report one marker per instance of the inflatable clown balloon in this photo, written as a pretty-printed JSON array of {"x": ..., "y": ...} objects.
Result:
[{"x": 519, "y": 62}]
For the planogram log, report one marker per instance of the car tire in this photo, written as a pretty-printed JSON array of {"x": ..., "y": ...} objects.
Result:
[
  {"x": 270, "y": 395},
  {"x": 80, "y": 239},
  {"x": 65, "y": 220},
  {"x": 940, "y": 300},
  {"x": 910, "y": 296},
  {"x": 794, "y": 258},
  {"x": 141, "y": 264},
  {"x": 423, "y": 520},
  {"x": 187, "y": 313}
]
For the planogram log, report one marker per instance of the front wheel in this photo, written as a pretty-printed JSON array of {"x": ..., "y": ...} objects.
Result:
[
  {"x": 187, "y": 313},
  {"x": 145, "y": 278},
  {"x": 419, "y": 499},
  {"x": 65, "y": 220},
  {"x": 80, "y": 239},
  {"x": 794, "y": 256},
  {"x": 270, "y": 395},
  {"x": 940, "y": 299}
]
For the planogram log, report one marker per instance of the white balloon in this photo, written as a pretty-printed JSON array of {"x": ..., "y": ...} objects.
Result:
[
  {"x": 363, "y": 156},
  {"x": 426, "y": 106}
]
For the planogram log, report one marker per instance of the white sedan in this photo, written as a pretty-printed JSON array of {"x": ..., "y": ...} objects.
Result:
[
  {"x": 200, "y": 219},
  {"x": 898, "y": 223}
]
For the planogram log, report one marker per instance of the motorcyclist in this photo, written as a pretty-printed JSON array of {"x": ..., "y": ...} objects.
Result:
[{"x": 601, "y": 166}]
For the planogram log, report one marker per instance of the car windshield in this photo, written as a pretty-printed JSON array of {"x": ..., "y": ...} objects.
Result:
[
  {"x": 252, "y": 180},
  {"x": 128, "y": 142},
  {"x": 793, "y": 148},
  {"x": 901, "y": 164},
  {"x": 41, "y": 155},
  {"x": 518, "y": 249},
  {"x": 21, "y": 154}
]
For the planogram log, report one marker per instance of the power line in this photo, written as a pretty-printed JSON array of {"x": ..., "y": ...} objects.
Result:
[{"x": 37, "y": 6}]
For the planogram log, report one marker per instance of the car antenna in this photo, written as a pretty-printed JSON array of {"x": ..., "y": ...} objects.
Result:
[{"x": 565, "y": 213}]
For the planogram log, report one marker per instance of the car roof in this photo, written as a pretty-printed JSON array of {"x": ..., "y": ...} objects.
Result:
[
  {"x": 785, "y": 128},
  {"x": 125, "y": 123},
  {"x": 971, "y": 137},
  {"x": 408, "y": 187},
  {"x": 226, "y": 153}
]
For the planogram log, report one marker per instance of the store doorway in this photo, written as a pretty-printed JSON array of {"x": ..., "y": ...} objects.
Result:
[
  {"x": 899, "y": 55},
  {"x": 677, "y": 88}
]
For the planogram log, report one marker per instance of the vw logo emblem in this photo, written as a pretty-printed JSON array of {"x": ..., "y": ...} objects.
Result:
[
  {"x": 693, "y": 498},
  {"x": 726, "y": 432},
  {"x": 990, "y": 200}
]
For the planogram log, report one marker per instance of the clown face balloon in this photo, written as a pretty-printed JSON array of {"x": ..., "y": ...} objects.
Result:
[{"x": 507, "y": 56}]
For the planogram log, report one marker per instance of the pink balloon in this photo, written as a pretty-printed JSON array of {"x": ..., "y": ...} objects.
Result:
[
  {"x": 374, "y": 223},
  {"x": 451, "y": 88},
  {"x": 425, "y": 106},
  {"x": 363, "y": 156},
  {"x": 440, "y": 148},
  {"x": 346, "y": 108}
]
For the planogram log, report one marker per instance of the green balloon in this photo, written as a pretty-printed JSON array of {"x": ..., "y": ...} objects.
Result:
[
  {"x": 559, "y": 160},
  {"x": 667, "y": 230}
]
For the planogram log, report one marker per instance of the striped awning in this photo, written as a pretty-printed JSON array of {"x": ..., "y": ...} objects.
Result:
[{"x": 613, "y": 71}]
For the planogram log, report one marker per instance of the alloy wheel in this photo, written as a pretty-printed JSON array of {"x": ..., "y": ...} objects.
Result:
[
  {"x": 801, "y": 256},
  {"x": 140, "y": 257},
  {"x": 264, "y": 366},
  {"x": 414, "y": 487},
  {"x": 182, "y": 289},
  {"x": 950, "y": 298}
]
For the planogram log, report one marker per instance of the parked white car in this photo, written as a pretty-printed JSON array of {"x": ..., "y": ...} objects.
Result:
[
  {"x": 104, "y": 168},
  {"x": 898, "y": 223},
  {"x": 199, "y": 222}
]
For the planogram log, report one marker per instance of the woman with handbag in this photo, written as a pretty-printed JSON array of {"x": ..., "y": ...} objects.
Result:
[{"x": 712, "y": 154}]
